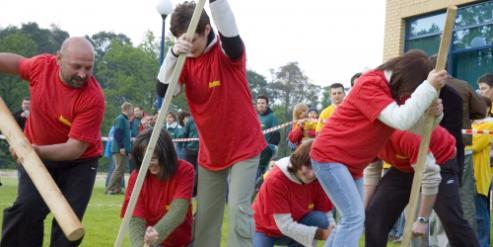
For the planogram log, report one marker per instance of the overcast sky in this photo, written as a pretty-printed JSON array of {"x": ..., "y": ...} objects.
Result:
[{"x": 331, "y": 40}]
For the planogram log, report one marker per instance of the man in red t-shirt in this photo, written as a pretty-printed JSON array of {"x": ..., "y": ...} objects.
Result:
[
  {"x": 386, "y": 201},
  {"x": 214, "y": 77},
  {"x": 67, "y": 108}
]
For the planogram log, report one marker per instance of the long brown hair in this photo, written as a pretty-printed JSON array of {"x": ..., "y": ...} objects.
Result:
[
  {"x": 164, "y": 150},
  {"x": 408, "y": 72},
  {"x": 300, "y": 157}
]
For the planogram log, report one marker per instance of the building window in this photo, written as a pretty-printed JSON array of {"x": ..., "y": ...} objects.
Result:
[{"x": 471, "y": 53}]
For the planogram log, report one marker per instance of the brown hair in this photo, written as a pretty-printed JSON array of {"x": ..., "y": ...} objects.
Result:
[
  {"x": 354, "y": 77},
  {"x": 126, "y": 106},
  {"x": 164, "y": 151},
  {"x": 173, "y": 115},
  {"x": 180, "y": 19},
  {"x": 486, "y": 78},
  {"x": 408, "y": 72},
  {"x": 181, "y": 117},
  {"x": 337, "y": 85},
  {"x": 300, "y": 157}
]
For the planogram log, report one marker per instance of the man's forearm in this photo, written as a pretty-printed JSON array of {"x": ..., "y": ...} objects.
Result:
[
  {"x": 9, "y": 63},
  {"x": 369, "y": 191},
  {"x": 70, "y": 150},
  {"x": 427, "y": 203}
]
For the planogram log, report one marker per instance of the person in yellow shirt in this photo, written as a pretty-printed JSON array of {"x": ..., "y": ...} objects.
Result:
[
  {"x": 337, "y": 95},
  {"x": 483, "y": 172}
]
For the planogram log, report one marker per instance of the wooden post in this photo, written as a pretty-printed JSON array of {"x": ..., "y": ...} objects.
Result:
[
  {"x": 41, "y": 178},
  {"x": 428, "y": 128},
  {"x": 158, "y": 126}
]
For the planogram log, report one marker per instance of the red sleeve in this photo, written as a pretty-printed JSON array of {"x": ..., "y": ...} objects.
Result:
[
  {"x": 185, "y": 180},
  {"x": 371, "y": 97},
  {"x": 29, "y": 67},
  {"x": 296, "y": 135},
  {"x": 139, "y": 210},
  {"x": 322, "y": 202},
  {"x": 87, "y": 122},
  {"x": 277, "y": 196}
]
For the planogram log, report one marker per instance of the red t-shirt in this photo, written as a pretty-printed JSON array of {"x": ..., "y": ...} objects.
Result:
[
  {"x": 353, "y": 135},
  {"x": 221, "y": 105},
  {"x": 279, "y": 195},
  {"x": 156, "y": 197},
  {"x": 59, "y": 112},
  {"x": 402, "y": 149}
]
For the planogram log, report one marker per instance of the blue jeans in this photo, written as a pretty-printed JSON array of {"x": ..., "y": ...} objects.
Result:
[
  {"x": 346, "y": 194},
  {"x": 314, "y": 218},
  {"x": 483, "y": 220}
]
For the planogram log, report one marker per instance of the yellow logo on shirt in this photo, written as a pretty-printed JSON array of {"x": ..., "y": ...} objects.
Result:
[
  {"x": 64, "y": 121},
  {"x": 214, "y": 84},
  {"x": 401, "y": 157},
  {"x": 311, "y": 206}
]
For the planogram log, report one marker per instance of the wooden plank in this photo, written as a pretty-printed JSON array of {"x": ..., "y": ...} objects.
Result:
[
  {"x": 41, "y": 178},
  {"x": 158, "y": 126},
  {"x": 428, "y": 128}
]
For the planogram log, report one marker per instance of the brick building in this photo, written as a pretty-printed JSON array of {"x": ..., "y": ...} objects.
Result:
[{"x": 417, "y": 24}]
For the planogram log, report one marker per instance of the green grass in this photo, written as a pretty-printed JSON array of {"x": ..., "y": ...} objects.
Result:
[
  {"x": 101, "y": 220},
  {"x": 102, "y": 217}
]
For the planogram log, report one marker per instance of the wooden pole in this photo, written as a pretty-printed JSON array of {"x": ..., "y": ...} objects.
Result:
[
  {"x": 41, "y": 178},
  {"x": 158, "y": 126},
  {"x": 428, "y": 128}
]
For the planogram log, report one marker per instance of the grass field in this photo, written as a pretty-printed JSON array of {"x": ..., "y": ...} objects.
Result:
[{"x": 101, "y": 219}]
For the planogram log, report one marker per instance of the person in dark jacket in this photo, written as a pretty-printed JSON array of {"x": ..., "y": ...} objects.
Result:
[
  {"x": 268, "y": 120},
  {"x": 120, "y": 148},
  {"x": 21, "y": 115}
]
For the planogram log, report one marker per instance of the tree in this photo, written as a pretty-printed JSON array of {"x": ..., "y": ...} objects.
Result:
[
  {"x": 325, "y": 97},
  {"x": 311, "y": 95},
  {"x": 128, "y": 74},
  {"x": 102, "y": 41},
  {"x": 48, "y": 41},
  {"x": 12, "y": 88},
  {"x": 290, "y": 85},
  {"x": 258, "y": 84}
]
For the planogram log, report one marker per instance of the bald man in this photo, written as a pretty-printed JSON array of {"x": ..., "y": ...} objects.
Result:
[{"x": 67, "y": 108}]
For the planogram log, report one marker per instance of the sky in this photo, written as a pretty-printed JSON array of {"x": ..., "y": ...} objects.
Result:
[{"x": 330, "y": 40}]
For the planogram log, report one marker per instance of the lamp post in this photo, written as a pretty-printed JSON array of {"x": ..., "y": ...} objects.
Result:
[{"x": 164, "y": 8}]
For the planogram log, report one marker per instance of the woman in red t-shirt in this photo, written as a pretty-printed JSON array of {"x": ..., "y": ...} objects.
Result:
[
  {"x": 291, "y": 208},
  {"x": 163, "y": 213},
  {"x": 361, "y": 125}
]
